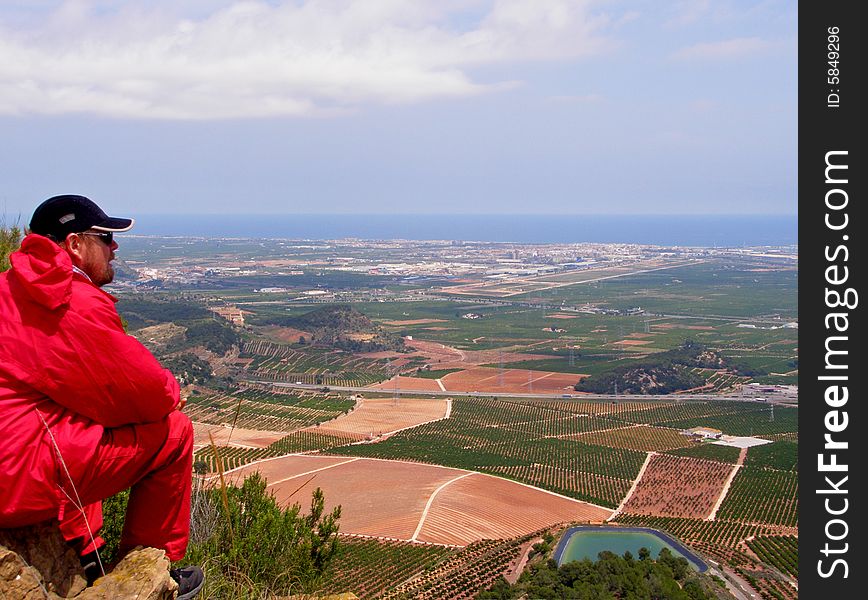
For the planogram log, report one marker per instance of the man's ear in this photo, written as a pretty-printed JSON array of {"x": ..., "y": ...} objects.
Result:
[{"x": 74, "y": 245}]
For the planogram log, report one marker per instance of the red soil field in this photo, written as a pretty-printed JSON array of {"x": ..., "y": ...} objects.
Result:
[
  {"x": 484, "y": 379},
  {"x": 376, "y": 416},
  {"x": 674, "y": 486},
  {"x": 441, "y": 356},
  {"x": 483, "y": 357},
  {"x": 240, "y": 437},
  {"x": 284, "y": 467},
  {"x": 435, "y": 350},
  {"x": 486, "y": 507},
  {"x": 388, "y": 498},
  {"x": 417, "y": 384},
  {"x": 487, "y": 379}
]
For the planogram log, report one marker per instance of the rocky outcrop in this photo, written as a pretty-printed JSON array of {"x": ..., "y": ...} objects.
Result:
[
  {"x": 36, "y": 564},
  {"x": 142, "y": 574}
]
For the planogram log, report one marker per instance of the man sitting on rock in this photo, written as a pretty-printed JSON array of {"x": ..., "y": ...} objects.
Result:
[{"x": 85, "y": 410}]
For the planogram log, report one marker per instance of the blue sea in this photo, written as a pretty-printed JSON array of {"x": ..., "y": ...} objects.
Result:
[{"x": 683, "y": 230}]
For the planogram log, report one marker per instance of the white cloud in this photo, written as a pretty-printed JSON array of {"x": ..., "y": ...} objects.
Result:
[
  {"x": 725, "y": 50},
  {"x": 577, "y": 99},
  {"x": 183, "y": 60},
  {"x": 688, "y": 12}
]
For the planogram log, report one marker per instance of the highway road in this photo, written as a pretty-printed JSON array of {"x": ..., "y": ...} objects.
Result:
[{"x": 607, "y": 397}]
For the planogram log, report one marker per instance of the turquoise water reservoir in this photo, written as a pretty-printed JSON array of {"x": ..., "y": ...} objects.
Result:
[{"x": 587, "y": 542}]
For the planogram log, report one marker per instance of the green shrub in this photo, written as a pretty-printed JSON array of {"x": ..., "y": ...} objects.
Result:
[
  {"x": 263, "y": 546},
  {"x": 113, "y": 511},
  {"x": 255, "y": 550},
  {"x": 10, "y": 238}
]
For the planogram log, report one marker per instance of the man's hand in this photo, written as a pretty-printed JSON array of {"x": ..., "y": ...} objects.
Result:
[{"x": 181, "y": 404}]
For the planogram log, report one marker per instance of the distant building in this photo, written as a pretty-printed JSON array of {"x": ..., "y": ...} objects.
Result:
[
  {"x": 233, "y": 314},
  {"x": 703, "y": 433}
]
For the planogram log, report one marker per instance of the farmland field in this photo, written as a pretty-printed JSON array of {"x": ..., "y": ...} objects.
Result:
[
  {"x": 762, "y": 496},
  {"x": 266, "y": 411},
  {"x": 778, "y": 551},
  {"x": 636, "y": 437},
  {"x": 370, "y": 566},
  {"x": 448, "y": 472},
  {"x": 725, "y": 454},
  {"x": 415, "y": 502},
  {"x": 678, "y": 487},
  {"x": 499, "y": 437}
]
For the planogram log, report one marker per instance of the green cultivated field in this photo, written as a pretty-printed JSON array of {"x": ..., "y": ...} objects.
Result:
[
  {"x": 782, "y": 455},
  {"x": 368, "y": 567},
  {"x": 714, "y": 288},
  {"x": 755, "y": 420},
  {"x": 707, "y": 451},
  {"x": 266, "y": 411},
  {"x": 762, "y": 496}
]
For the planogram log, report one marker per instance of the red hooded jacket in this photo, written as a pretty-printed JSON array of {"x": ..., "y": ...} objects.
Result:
[{"x": 68, "y": 368}]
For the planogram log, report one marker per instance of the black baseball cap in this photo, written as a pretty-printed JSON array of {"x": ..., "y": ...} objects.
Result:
[{"x": 59, "y": 216}]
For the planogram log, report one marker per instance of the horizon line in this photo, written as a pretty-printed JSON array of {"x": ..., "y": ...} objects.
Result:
[{"x": 438, "y": 214}]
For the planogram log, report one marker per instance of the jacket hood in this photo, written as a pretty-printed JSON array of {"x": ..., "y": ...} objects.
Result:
[{"x": 45, "y": 271}]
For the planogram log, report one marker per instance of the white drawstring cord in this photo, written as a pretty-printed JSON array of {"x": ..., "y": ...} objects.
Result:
[{"x": 77, "y": 501}]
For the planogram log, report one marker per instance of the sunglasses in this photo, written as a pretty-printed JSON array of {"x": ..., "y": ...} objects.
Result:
[{"x": 107, "y": 237}]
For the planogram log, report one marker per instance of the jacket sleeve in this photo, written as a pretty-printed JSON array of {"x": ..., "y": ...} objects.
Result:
[{"x": 92, "y": 367}]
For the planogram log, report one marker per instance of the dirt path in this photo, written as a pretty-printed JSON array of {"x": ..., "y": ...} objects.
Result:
[
  {"x": 431, "y": 501},
  {"x": 738, "y": 464},
  {"x": 514, "y": 573},
  {"x": 578, "y": 436},
  {"x": 633, "y": 487}
]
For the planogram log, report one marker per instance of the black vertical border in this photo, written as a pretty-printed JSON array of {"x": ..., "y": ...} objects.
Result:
[{"x": 824, "y": 128}]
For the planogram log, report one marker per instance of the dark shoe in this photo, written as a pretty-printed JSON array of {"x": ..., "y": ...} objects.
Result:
[
  {"x": 189, "y": 579},
  {"x": 91, "y": 566}
]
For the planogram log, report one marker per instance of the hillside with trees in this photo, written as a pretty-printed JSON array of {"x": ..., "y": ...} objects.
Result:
[
  {"x": 344, "y": 327},
  {"x": 661, "y": 373},
  {"x": 201, "y": 327}
]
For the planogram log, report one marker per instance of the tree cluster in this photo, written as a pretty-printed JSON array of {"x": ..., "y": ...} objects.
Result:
[
  {"x": 339, "y": 326},
  {"x": 641, "y": 379},
  {"x": 663, "y": 372},
  {"x": 189, "y": 368},
  {"x": 612, "y": 577}
]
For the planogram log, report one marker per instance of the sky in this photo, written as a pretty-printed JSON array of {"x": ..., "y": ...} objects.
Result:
[{"x": 400, "y": 106}]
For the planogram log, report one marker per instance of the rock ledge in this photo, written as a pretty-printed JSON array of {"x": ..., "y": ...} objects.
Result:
[{"x": 36, "y": 564}]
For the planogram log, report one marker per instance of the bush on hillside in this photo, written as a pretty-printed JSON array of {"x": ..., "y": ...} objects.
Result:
[
  {"x": 263, "y": 546},
  {"x": 255, "y": 550},
  {"x": 10, "y": 239}
]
